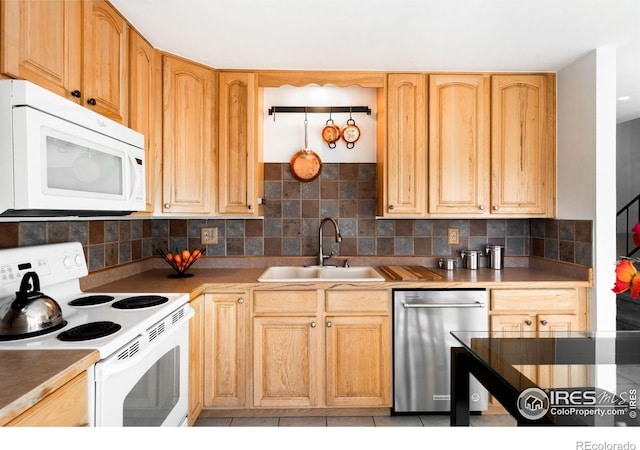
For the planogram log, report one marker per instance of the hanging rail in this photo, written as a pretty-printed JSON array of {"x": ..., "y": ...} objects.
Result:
[{"x": 319, "y": 109}]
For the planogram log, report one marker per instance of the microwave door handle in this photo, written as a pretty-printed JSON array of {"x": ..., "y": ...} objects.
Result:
[{"x": 132, "y": 176}]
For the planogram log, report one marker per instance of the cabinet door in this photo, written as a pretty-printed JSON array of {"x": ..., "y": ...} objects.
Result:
[
  {"x": 358, "y": 366},
  {"x": 187, "y": 137},
  {"x": 523, "y": 145},
  {"x": 105, "y": 47},
  {"x": 566, "y": 375},
  {"x": 459, "y": 144},
  {"x": 225, "y": 349},
  {"x": 285, "y": 361},
  {"x": 237, "y": 149},
  {"x": 516, "y": 323},
  {"x": 196, "y": 359},
  {"x": 41, "y": 43},
  {"x": 65, "y": 407},
  {"x": 143, "y": 80},
  {"x": 405, "y": 160}
]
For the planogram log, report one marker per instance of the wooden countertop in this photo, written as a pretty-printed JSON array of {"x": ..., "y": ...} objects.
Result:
[
  {"x": 28, "y": 376},
  {"x": 542, "y": 276}
]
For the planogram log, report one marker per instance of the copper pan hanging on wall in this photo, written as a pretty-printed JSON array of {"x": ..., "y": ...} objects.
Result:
[{"x": 305, "y": 165}]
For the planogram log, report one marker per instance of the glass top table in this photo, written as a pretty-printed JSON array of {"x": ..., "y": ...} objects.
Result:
[{"x": 550, "y": 378}]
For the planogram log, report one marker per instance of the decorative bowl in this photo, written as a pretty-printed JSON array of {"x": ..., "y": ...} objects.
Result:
[{"x": 180, "y": 261}]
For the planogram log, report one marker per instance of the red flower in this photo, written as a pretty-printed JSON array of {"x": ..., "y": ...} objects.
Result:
[
  {"x": 636, "y": 234},
  {"x": 627, "y": 277}
]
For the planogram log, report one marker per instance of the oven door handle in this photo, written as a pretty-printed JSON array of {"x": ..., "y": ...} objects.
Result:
[
  {"x": 443, "y": 305},
  {"x": 128, "y": 356}
]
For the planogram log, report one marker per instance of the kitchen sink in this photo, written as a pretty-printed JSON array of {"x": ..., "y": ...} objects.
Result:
[{"x": 287, "y": 274}]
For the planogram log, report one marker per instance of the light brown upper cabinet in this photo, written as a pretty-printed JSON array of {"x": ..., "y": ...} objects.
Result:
[
  {"x": 188, "y": 146},
  {"x": 144, "y": 81},
  {"x": 239, "y": 171},
  {"x": 402, "y": 153},
  {"x": 459, "y": 143},
  {"x": 77, "y": 49},
  {"x": 523, "y": 145},
  {"x": 105, "y": 50},
  {"x": 41, "y": 43}
]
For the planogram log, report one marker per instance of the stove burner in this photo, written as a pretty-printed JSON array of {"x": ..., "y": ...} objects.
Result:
[
  {"x": 15, "y": 337},
  {"x": 91, "y": 300},
  {"x": 88, "y": 331},
  {"x": 141, "y": 301}
]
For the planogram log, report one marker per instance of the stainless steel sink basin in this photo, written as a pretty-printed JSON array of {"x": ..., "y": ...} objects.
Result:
[{"x": 288, "y": 274}]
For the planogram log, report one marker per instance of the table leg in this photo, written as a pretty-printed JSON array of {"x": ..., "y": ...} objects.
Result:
[{"x": 460, "y": 410}]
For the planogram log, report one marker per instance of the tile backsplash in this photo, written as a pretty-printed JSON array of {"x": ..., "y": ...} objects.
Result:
[{"x": 292, "y": 214}]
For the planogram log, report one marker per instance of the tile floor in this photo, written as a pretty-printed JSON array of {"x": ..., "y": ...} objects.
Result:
[{"x": 490, "y": 420}]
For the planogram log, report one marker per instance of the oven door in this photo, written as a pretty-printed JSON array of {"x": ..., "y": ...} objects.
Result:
[{"x": 145, "y": 382}]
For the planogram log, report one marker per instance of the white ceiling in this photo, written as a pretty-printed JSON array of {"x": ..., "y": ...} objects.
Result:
[{"x": 396, "y": 35}]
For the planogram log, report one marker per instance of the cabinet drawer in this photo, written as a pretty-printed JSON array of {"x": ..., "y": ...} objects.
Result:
[
  {"x": 357, "y": 301},
  {"x": 534, "y": 300},
  {"x": 65, "y": 407},
  {"x": 303, "y": 302}
]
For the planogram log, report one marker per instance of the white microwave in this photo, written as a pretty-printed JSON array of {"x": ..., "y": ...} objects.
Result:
[{"x": 58, "y": 158}]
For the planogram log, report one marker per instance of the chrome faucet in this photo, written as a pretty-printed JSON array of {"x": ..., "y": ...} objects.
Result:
[{"x": 321, "y": 255}]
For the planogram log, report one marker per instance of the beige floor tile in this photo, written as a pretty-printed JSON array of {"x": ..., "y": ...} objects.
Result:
[
  {"x": 436, "y": 420},
  {"x": 350, "y": 422},
  {"x": 493, "y": 420},
  {"x": 397, "y": 421},
  {"x": 303, "y": 422},
  {"x": 213, "y": 422},
  {"x": 255, "y": 422}
]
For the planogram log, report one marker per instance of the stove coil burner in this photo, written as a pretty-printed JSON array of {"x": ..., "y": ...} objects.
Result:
[
  {"x": 91, "y": 300},
  {"x": 88, "y": 331},
  {"x": 140, "y": 301},
  {"x": 15, "y": 337}
]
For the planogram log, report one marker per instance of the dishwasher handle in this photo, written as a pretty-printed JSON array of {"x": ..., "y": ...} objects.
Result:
[{"x": 443, "y": 305}]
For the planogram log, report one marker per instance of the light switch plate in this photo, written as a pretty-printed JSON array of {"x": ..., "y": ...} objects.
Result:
[
  {"x": 209, "y": 235},
  {"x": 453, "y": 236}
]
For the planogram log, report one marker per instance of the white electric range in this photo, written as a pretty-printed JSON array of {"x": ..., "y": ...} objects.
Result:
[{"x": 141, "y": 378}]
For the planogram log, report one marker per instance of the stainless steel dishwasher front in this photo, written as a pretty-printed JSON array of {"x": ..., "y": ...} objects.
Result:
[{"x": 423, "y": 320}]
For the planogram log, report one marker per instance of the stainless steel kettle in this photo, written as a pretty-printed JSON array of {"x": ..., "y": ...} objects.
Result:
[{"x": 31, "y": 312}]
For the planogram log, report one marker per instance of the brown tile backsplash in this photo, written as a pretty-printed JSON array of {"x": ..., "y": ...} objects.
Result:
[{"x": 292, "y": 216}]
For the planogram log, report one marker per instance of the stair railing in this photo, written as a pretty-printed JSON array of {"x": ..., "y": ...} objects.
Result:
[{"x": 625, "y": 210}]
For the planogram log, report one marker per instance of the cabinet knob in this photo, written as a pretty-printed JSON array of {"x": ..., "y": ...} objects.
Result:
[
  {"x": 92, "y": 101},
  {"x": 241, "y": 301},
  {"x": 391, "y": 206},
  {"x": 249, "y": 207},
  {"x": 329, "y": 324},
  {"x": 76, "y": 93},
  {"x": 495, "y": 208},
  {"x": 527, "y": 323},
  {"x": 313, "y": 324},
  {"x": 544, "y": 322},
  {"x": 167, "y": 206},
  {"x": 481, "y": 207}
]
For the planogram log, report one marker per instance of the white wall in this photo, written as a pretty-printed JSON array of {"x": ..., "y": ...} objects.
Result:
[
  {"x": 284, "y": 136},
  {"x": 586, "y": 96}
]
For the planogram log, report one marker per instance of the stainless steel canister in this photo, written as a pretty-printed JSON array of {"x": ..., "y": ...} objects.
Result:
[
  {"x": 495, "y": 253},
  {"x": 447, "y": 263},
  {"x": 470, "y": 258}
]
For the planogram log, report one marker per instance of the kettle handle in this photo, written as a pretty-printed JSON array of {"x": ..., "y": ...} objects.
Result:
[{"x": 22, "y": 296}]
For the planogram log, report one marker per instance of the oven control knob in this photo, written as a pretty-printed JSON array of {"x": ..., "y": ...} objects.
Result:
[
  {"x": 67, "y": 262},
  {"x": 78, "y": 260}
]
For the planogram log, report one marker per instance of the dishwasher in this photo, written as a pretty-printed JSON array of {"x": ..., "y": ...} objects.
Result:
[{"x": 422, "y": 322}]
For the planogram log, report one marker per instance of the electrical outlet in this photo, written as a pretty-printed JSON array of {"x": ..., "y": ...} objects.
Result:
[
  {"x": 453, "y": 236},
  {"x": 209, "y": 235}
]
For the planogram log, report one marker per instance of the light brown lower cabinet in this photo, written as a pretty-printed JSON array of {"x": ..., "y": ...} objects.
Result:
[
  {"x": 65, "y": 407},
  {"x": 542, "y": 310},
  {"x": 226, "y": 348},
  {"x": 196, "y": 360},
  {"x": 317, "y": 348}
]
